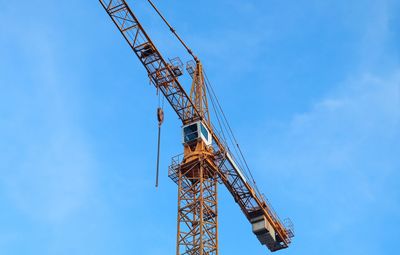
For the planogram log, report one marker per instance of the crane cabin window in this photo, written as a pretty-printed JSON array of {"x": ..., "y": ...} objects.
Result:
[
  {"x": 204, "y": 131},
  {"x": 190, "y": 133},
  {"x": 196, "y": 131}
]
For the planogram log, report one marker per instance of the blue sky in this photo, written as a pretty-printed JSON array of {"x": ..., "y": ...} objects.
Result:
[{"x": 311, "y": 89}]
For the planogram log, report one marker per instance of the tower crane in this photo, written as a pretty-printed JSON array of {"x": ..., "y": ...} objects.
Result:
[{"x": 207, "y": 160}]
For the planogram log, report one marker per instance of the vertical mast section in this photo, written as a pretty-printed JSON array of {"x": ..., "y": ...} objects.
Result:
[
  {"x": 197, "y": 208},
  {"x": 198, "y": 94},
  {"x": 197, "y": 178}
]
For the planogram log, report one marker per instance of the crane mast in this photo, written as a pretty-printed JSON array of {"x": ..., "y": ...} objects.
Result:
[
  {"x": 206, "y": 160},
  {"x": 197, "y": 179}
]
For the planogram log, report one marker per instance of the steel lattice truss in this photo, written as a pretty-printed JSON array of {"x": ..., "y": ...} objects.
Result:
[
  {"x": 159, "y": 71},
  {"x": 197, "y": 209}
]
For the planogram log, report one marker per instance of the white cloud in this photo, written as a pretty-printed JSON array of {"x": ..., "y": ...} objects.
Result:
[
  {"x": 361, "y": 105},
  {"x": 360, "y": 119}
]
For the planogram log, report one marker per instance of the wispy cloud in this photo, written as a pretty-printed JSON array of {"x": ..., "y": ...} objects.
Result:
[{"x": 336, "y": 164}]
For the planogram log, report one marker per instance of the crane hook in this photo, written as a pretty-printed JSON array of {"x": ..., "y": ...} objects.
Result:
[{"x": 160, "y": 118}]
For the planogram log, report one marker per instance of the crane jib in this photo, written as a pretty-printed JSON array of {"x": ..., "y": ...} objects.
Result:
[{"x": 159, "y": 71}]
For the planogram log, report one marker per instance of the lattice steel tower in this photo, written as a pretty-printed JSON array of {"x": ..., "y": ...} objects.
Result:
[{"x": 197, "y": 180}]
